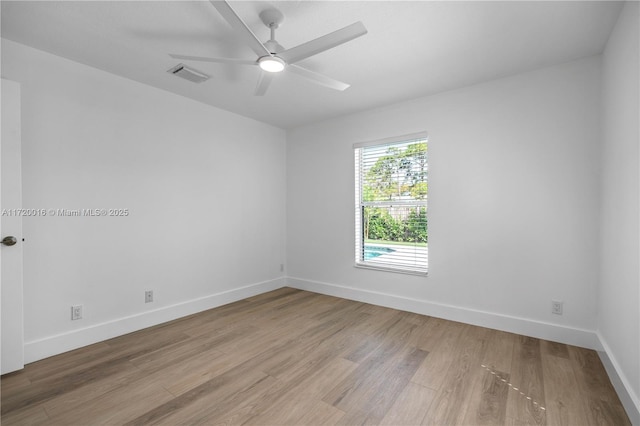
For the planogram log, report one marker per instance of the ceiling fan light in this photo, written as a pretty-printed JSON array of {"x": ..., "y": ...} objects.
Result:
[{"x": 271, "y": 63}]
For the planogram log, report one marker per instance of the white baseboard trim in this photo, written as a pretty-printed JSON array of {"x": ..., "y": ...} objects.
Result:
[
  {"x": 630, "y": 401},
  {"x": 54, "y": 345},
  {"x": 527, "y": 327}
]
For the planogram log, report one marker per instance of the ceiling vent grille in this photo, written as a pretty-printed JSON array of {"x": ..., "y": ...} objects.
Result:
[{"x": 187, "y": 73}]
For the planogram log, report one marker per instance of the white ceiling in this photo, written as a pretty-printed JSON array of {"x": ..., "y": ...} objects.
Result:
[{"x": 413, "y": 48}]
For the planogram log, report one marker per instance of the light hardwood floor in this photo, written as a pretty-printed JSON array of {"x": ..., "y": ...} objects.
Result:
[{"x": 292, "y": 357}]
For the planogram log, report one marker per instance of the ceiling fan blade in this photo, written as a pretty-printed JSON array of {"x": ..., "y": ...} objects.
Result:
[
  {"x": 240, "y": 27},
  {"x": 263, "y": 84},
  {"x": 320, "y": 79},
  {"x": 221, "y": 60},
  {"x": 320, "y": 44}
]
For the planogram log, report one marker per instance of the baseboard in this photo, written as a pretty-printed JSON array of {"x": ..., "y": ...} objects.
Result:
[
  {"x": 630, "y": 401},
  {"x": 524, "y": 326},
  {"x": 53, "y": 345}
]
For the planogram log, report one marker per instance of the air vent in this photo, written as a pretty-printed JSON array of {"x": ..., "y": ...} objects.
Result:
[{"x": 181, "y": 70}]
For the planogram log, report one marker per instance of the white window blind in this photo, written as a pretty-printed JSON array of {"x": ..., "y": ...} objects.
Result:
[{"x": 391, "y": 204}]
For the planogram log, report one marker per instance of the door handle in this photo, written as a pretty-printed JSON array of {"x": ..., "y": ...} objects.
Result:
[{"x": 9, "y": 241}]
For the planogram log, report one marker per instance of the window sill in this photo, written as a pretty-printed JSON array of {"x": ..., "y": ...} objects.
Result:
[{"x": 397, "y": 270}]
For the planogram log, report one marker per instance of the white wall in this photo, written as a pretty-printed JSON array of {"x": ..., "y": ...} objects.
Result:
[
  {"x": 513, "y": 203},
  {"x": 205, "y": 189},
  {"x": 619, "y": 291}
]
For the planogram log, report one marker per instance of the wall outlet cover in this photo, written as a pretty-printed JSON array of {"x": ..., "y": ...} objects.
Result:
[
  {"x": 556, "y": 307},
  {"x": 76, "y": 312}
]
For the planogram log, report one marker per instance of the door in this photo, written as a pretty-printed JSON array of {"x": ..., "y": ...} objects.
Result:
[{"x": 11, "y": 305}]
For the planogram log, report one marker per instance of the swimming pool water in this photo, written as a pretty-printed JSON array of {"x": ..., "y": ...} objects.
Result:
[{"x": 371, "y": 252}]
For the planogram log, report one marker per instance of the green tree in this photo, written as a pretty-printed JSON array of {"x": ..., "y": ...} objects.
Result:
[
  {"x": 382, "y": 178},
  {"x": 419, "y": 190},
  {"x": 399, "y": 172}
]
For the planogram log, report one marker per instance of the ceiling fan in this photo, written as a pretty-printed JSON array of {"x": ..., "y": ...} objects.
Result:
[{"x": 272, "y": 57}]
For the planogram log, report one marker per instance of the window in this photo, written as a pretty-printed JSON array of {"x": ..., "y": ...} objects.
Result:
[{"x": 391, "y": 204}]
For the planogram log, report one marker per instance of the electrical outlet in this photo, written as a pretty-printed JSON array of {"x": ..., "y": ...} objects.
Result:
[
  {"x": 556, "y": 307},
  {"x": 76, "y": 312},
  {"x": 282, "y": 267},
  {"x": 148, "y": 296}
]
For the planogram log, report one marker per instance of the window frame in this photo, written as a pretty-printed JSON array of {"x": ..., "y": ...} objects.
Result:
[{"x": 360, "y": 204}]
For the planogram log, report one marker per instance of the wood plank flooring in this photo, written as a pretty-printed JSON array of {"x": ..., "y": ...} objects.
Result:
[{"x": 292, "y": 357}]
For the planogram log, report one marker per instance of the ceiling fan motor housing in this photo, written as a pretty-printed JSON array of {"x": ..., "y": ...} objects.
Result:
[{"x": 273, "y": 46}]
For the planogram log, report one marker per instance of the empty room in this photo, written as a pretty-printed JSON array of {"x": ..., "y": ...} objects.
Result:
[{"x": 320, "y": 212}]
